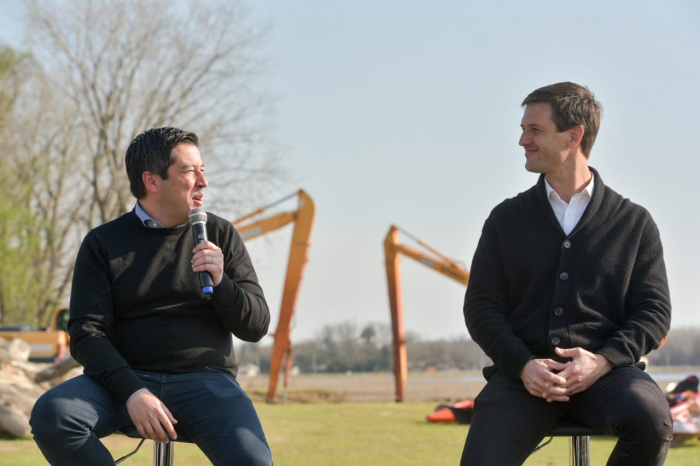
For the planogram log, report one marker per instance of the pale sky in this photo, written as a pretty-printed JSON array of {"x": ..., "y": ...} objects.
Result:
[{"x": 408, "y": 112}]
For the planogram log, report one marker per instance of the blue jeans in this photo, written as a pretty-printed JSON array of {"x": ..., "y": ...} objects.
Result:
[{"x": 211, "y": 409}]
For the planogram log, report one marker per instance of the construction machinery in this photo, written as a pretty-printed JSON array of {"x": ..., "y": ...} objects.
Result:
[
  {"x": 436, "y": 261},
  {"x": 47, "y": 344},
  {"x": 303, "y": 219}
]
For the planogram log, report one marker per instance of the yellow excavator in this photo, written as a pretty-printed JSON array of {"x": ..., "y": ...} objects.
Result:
[
  {"x": 47, "y": 344},
  {"x": 436, "y": 261},
  {"x": 248, "y": 228}
]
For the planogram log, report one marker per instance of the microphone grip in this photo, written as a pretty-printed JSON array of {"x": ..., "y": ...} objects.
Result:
[
  {"x": 200, "y": 235},
  {"x": 206, "y": 282}
]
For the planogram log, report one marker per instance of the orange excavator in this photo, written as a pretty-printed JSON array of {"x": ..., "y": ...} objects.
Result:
[
  {"x": 303, "y": 219},
  {"x": 436, "y": 261}
]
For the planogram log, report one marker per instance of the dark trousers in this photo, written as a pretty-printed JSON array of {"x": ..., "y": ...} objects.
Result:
[
  {"x": 509, "y": 423},
  {"x": 210, "y": 407}
]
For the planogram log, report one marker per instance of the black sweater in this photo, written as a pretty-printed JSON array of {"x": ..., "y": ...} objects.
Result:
[
  {"x": 602, "y": 288},
  {"x": 137, "y": 304}
]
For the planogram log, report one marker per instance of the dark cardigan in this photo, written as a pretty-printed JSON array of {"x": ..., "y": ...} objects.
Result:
[
  {"x": 533, "y": 288},
  {"x": 137, "y": 304}
]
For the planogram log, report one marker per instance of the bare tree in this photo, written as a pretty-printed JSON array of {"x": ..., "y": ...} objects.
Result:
[
  {"x": 104, "y": 72},
  {"x": 126, "y": 66}
]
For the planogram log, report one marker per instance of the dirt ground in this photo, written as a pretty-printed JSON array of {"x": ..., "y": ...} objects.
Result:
[{"x": 441, "y": 387}]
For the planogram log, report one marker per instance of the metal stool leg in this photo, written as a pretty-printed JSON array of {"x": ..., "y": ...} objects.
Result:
[
  {"x": 579, "y": 451},
  {"x": 163, "y": 453}
]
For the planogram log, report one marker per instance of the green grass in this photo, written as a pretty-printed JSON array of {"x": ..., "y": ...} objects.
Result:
[{"x": 350, "y": 434}]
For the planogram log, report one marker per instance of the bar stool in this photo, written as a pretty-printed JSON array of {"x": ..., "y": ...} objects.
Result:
[
  {"x": 163, "y": 453},
  {"x": 579, "y": 442}
]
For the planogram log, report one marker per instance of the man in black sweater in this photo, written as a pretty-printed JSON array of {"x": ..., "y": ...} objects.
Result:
[
  {"x": 158, "y": 354},
  {"x": 567, "y": 292}
]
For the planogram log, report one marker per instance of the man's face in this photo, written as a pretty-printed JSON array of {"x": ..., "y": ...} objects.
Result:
[
  {"x": 546, "y": 149},
  {"x": 184, "y": 188}
]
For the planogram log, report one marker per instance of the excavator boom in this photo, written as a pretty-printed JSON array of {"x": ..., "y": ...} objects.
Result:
[
  {"x": 303, "y": 219},
  {"x": 438, "y": 262}
]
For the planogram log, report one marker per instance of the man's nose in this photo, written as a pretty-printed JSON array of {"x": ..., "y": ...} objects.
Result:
[
  {"x": 524, "y": 139},
  {"x": 203, "y": 180}
]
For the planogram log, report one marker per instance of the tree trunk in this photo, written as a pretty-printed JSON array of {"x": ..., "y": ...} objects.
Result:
[
  {"x": 13, "y": 420},
  {"x": 57, "y": 370},
  {"x": 19, "y": 388}
]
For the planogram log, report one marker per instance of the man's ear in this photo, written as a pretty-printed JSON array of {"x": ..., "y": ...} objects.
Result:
[
  {"x": 575, "y": 136},
  {"x": 150, "y": 181}
]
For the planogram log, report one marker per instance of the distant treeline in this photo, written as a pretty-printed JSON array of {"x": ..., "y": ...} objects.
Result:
[
  {"x": 348, "y": 347},
  {"x": 682, "y": 348}
]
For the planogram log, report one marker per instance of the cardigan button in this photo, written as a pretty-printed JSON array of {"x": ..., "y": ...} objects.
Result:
[
  {"x": 558, "y": 311},
  {"x": 564, "y": 276},
  {"x": 567, "y": 244},
  {"x": 555, "y": 341}
]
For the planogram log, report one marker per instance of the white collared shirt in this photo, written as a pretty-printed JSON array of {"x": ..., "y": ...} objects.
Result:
[{"x": 569, "y": 214}]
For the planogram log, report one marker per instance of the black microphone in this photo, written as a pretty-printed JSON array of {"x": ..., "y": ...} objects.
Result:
[{"x": 198, "y": 220}]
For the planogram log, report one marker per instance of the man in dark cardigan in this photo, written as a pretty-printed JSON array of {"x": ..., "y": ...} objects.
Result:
[{"x": 567, "y": 292}]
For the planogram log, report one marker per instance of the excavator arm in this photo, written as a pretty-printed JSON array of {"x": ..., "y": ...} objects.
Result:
[
  {"x": 303, "y": 219},
  {"x": 436, "y": 261}
]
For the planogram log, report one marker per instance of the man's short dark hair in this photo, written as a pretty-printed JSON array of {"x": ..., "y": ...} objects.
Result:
[
  {"x": 572, "y": 105},
  {"x": 152, "y": 151}
]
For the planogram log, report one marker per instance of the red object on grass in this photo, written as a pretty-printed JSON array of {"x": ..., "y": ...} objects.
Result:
[{"x": 457, "y": 412}]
